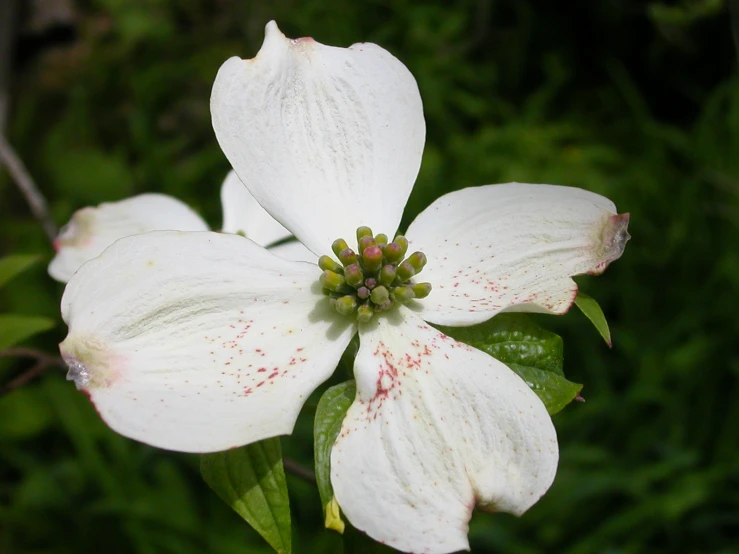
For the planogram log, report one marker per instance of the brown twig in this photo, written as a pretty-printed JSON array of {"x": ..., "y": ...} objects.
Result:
[
  {"x": 43, "y": 362},
  {"x": 28, "y": 188},
  {"x": 291, "y": 466}
]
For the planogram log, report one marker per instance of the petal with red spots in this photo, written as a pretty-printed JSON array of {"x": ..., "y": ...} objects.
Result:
[
  {"x": 512, "y": 247},
  {"x": 436, "y": 428},
  {"x": 199, "y": 342}
]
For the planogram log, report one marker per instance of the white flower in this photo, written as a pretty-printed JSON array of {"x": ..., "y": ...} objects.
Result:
[
  {"x": 92, "y": 229},
  {"x": 201, "y": 342}
]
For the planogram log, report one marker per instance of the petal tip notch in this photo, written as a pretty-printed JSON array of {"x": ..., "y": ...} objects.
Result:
[
  {"x": 77, "y": 372},
  {"x": 612, "y": 241},
  {"x": 272, "y": 33},
  {"x": 87, "y": 364},
  {"x": 274, "y": 39}
]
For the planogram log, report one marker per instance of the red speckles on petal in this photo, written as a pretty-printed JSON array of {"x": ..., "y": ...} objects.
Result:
[
  {"x": 240, "y": 342},
  {"x": 394, "y": 367}
]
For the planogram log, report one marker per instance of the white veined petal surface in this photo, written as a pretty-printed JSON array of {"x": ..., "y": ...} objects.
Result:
[
  {"x": 326, "y": 139},
  {"x": 198, "y": 342},
  {"x": 512, "y": 247},
  {"x": 436, "y": 428},
  {"x": 243, "y": 214},
  {"x": 91, "y": 230}
]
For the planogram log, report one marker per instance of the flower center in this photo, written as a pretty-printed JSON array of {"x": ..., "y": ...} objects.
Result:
[{"x": 375, "y": 279}]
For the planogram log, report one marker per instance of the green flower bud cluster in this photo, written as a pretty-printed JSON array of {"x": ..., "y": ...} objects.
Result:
[{"x": 374, "y": 279}]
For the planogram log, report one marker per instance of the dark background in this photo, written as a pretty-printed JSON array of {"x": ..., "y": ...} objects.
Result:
[{"x": 638, "y": 101}]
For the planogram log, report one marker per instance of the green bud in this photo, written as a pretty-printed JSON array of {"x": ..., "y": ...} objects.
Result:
[
  {"x": 387, "y": 275},
  {"x": 365, "y": 313},
  {"x": 403, "y": 294},
  {"x": 393, "y": 252},
  {"x": 346, "y": 305},
  {"x": 328, "y": 263},
  {"x": 363, "y": 232},
  {"x": 381, "y": 239},
  {"x": 421, "y": 290},
  {"x": 385, "y": 305},
  {"x": 372, "y": 258},
  {"x": 353, "y": 275},
  {"x": 338, "y": 245},
  {"x": 417, "y": 260},
  {"x": 331, "y": 281},
  {"x": 405, "y": 272},
  {"x": 347, "y": 256},
  {"x": 379, "y": 295},
  {"x": 403, "y": 242},
  {"x": 366, "y": 242}
]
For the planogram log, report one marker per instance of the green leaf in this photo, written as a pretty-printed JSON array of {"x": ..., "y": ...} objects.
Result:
[
  {"x": 329, "y": 415},
  {"x": 10, "y": 266},
  {"x": 593, "y": 312},
  {"x": 553, "y": 389},
  {"x": 534, "y": 353},
  {"x": 17, "y": 328},
  {"x": 251, "y": 480}
]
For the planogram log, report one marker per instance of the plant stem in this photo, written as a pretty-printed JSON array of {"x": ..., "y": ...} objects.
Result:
[
  {"x": 43, "y": 361},
  {"x": 293, "y": 467},
  {"x": 28, "y": 188}
]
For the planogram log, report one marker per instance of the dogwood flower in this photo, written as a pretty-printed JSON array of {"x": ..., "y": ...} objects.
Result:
[
  {"x": 92, "y": 229},
  {"x": 201, "y": 342}
]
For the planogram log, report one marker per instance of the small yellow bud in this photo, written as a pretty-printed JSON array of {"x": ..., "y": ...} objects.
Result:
[{"x": 333, "y": 516}]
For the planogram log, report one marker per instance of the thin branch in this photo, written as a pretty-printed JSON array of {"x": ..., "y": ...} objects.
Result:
[
  {"x": 23, "y": 180},
  {"x": 43, "y": 362},
  {"x": 291, "y": 466}
]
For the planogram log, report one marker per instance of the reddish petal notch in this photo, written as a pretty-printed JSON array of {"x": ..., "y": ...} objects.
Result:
[{"x": 614, "y": 237}]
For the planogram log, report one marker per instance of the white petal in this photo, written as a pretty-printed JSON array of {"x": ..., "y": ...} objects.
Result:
[
  {"x": 295, "y": 251},
  {"x": 436, "y": 428},
  {"x": 326, "y": 139},
  {"x": 92, "y": 230},
  {"x": 242, "y": 214},
  {"x": 198, "y": 342},
  {"x": 512, "y": 247}
]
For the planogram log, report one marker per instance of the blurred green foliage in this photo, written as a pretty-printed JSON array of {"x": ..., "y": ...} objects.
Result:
[{"x": 637, "y": 101}]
